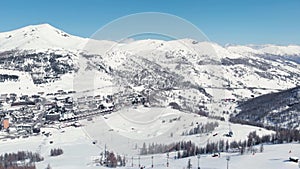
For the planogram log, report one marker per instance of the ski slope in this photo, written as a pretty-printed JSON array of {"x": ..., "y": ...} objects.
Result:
[
  {"x": 126, "y": 130},
  {"x": 115, "y": 132}
]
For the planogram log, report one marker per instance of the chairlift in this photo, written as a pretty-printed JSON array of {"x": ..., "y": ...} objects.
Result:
[
  {"x": 215, "y": 155},
  {"x": 230, "y": 131}
]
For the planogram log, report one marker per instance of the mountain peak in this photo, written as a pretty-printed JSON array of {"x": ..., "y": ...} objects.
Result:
[
  {"x": 41, "y": 26},
  {"x": 46, "y": 36},
  {"x": 42, "y": 36}
]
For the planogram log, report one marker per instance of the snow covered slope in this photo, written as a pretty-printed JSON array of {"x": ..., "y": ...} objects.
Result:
[
  {"x": 280, "y": 109},
  {"x": 79, "y": 150},
  {"x": 199, "y": 76},
  {"x": 42, "y": 36},
  {"x": 292, "y": 50}
]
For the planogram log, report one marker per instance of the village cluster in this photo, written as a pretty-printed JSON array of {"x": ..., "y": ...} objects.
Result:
[{"x": 24, "y": 115}]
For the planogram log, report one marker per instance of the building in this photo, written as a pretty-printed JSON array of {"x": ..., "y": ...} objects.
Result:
[
  {"x": 25, "y": 127},
  {"x": 53, "y": 116},
  {"x": 6, "y": 123}
]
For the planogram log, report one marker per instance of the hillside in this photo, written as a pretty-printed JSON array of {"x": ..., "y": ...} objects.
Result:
[
  {"x": 146, "y": 98},
  {"x": 276, "y": 109},
  {"x": 201, "y": 77}
]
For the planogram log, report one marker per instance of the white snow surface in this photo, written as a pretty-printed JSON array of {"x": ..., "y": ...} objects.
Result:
[
  {"x": 45, "y": 36},
  {"x": 79, "y": 151},
  {"x": 122, "y": 130},
  {"x": 42, "y": 36}
]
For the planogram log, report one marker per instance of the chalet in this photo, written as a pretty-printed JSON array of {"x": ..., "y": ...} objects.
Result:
[
  {"x": 12, "y": 95},
  {"x": 35, "y": 96},
  {"x": 80, "y": 99},
  {"x": 52, "y": 116},
  {"x": 2, "y": 100},
  {"x": 69, "y": 106},
  {"x": 49, "y": 105},
  {"x": 2, "y": 114},
  {"x": 76, "y": 124},
  {"x": 23, "y": 103},
  {"x": 36, "y": 128},
  {"x": 97, "y": 97},
  {"x": 89, "y": 97},
  {"x": 26, "y": 127},
  {"x": 62, "y": 99},
  {"x": 24, "y": 97},
  {"x": 6, "y": 123},
  {"x": 70, "y": 92},
  {"x": 228, "y": 100}
]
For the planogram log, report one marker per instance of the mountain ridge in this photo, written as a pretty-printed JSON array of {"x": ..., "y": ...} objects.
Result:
[
  {"x": 201, "y": 77},
  {"x": 49, "y": 35}
]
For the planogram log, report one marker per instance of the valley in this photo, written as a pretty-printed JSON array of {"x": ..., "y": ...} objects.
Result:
[{"x": 144, "y": 98}]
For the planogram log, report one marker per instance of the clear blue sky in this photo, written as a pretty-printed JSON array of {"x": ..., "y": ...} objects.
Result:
[{"x": 223, "y": 21}]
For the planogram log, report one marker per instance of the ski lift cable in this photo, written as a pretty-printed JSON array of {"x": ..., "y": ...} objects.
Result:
[{"x": 91, "y": 139}]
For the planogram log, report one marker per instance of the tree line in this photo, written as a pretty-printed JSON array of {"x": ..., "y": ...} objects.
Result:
[
  {"x": 202, "y": 128},
  {"x": 18, "y": 167},
  {"x": 10, "y": 160},
  {"x": 188, "y": 148},
  {"x": 111, "y": 160},
  {"x": 4, "y": 77},
  {"x": 56, "y": 152}
]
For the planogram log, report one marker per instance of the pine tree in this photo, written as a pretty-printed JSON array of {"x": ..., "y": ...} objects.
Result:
[
  {"x": 112, "y": 160},
  {"x": 227, "y": 146},
  {"x": 48, "y": 166},
  {"x": 124, "y": 161},
  {"x": 189, "y": 166},
  {"x": 242, "y": 151},
  {"x": 178, "y": 154},
  {"x": 261, "y": 149},
  {"x": 144, "y": 149}
]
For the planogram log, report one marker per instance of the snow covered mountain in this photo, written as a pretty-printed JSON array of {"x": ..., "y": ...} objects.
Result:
[
  {"x": 45, "y": 36},
  {"x": 290, "y": 50},
  {"x": 198, "y": 76},
  {"x": 39, "y": 37},
  {"x": 258, "y": 84}
]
